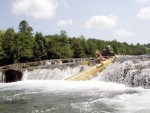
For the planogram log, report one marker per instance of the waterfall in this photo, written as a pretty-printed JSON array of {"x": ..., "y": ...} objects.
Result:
[
  {"x": 51, "y": 73},
  {"x": 1, "y": 77},
  {"x": 44, "y": 90},
  {"x": 129, "y": 70}
]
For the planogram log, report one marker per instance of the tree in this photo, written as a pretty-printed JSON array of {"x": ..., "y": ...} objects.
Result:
[
  {"x": 77, "y": 48},
  {"x": 23, "y": 47},
  {"x": 53, "y": 47},
  {"x": 1, "y": 49},
  {"x": 59, "y": 47},
  {"x": 92, "y": 46},
  {"x": 7, "y": 45},
  {"x": 39, "y": 49},
  {"x": 25, "y": 28},
  {"x": 17, "y": 46},
  {"x": 84, "y": 45},
  {"x": 66, "y": 51},
  {"x": 63, "y": 34}
]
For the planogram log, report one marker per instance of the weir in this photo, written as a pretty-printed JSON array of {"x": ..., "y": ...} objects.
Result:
[
  {"x": 130, "y": 70},
  {"x": 15, "y": 72}
]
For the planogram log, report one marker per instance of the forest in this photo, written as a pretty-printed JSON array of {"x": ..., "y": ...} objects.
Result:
[{"x": 26, "y": 46}]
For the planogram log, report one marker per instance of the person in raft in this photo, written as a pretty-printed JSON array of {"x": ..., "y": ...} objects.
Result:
[
  {"x": 107, "y": 53},
  {"x": 98, "y": 56}
]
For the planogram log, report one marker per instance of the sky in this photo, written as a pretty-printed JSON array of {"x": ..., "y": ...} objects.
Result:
[{"x": 122, "y": 20}]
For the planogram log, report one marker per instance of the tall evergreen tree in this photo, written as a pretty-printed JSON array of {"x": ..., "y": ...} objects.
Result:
[{"x": 25, "y": 28}]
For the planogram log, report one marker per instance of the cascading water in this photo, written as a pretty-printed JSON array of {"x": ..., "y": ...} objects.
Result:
[
  {"x": 129, "y": 70},
  {"x": 46, "y": 91},
  {"x": 50, "y": 74},
  {"x": 1, "y": 77}
]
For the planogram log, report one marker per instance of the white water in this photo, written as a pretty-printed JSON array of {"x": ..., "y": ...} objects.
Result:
[
  {"x": 50, "y": 74},
  {"x": 91, "y": 94},
  {"x": 45, "y": 91},
  {"x": 132, "y": 72}
]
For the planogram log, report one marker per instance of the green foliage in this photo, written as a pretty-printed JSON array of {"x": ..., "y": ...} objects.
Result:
[
  {"x": 7, "y": 44},
  {"x": 39, "y": 47},
  {"x": 77, "y": 48},
  {"x": 63, "y": 34},
  {"x": 23, "y": 46},
  {"x": 91, "y": 46},
  {"x": 59, "y": 47},
  {"x": 25, "y": 28},
  {"x": 16, "y": 46},
  {"x": 1, "y": 49},
  {"x": 54, "y": 49},
  {"x": 84, "y": 46}
]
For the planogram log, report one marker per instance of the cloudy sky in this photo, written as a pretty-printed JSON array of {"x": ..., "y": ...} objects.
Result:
[{"x": 123, "y": 20}]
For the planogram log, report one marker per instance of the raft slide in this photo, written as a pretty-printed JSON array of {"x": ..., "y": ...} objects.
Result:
[{"x": 92, "y": 71}]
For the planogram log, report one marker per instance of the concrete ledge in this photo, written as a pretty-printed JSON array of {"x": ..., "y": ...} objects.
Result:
[{"x": 14, "y": 72}]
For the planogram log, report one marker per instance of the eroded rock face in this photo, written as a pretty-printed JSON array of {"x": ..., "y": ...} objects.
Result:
[{"x": 12, "y": 75}]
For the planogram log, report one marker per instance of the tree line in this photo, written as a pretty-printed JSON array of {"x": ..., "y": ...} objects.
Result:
[{"x": 24, "y": 46}]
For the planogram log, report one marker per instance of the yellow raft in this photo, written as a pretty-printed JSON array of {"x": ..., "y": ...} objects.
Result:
[{"x": 91, "y": 72}]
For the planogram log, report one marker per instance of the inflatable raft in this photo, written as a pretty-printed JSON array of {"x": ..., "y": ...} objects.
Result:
[{"x": 91, "y": 72}]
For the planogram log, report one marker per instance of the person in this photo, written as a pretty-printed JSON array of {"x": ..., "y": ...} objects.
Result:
[
  {"x": 99, "y": 56},
  {"x": 106, "y": 53}
]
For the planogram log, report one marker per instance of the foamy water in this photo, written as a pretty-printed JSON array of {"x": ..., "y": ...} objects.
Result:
[
  {"x": 71, "y": 96},
  {"x": 46, "y": 91},
  {"x": 50, "y": 74}
]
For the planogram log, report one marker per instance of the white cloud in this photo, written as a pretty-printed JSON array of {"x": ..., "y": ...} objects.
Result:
[
  {"x": 101, "y": 22},
  {"x": 65, "y": 23},
  {"x": 144, "y": 13},
  {"x": 143, "y": 1},
  {"x": 123, "y": 33},
  {"x": 42, "y": 9}
]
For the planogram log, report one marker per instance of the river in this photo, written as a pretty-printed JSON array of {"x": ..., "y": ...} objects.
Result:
[{"x": 103, "y": 94}]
